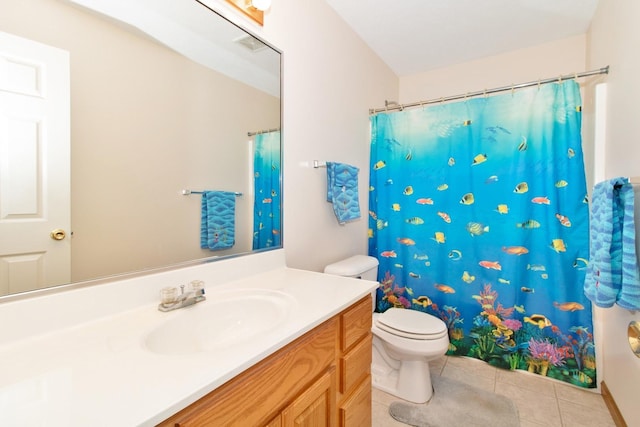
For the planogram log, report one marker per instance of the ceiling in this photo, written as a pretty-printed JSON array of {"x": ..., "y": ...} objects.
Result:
[{"x": 413, "y": 36}]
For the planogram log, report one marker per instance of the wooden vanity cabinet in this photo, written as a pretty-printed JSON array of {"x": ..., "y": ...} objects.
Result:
[{"x": 320, "y": 379}]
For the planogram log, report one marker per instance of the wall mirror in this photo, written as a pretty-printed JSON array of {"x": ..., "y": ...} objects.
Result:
[{"x": 111, "y": 110}]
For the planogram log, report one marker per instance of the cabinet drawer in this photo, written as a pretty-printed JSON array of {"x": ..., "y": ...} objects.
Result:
[
  {"x": 356, "y": 364},
  {"x": 355, "y": 411},
  {"x": 356, "y": 322}
]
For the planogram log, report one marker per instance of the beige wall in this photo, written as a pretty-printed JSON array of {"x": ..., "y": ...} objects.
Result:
[
  {"x": 565, "y": 56},
  {"x": 613, "y": 39},
  {"x": 331, "y": 79},
  {"x": 129, "y": 115}
]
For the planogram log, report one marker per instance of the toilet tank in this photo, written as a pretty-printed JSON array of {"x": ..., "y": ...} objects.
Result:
[{"x": 358, "y": 266}]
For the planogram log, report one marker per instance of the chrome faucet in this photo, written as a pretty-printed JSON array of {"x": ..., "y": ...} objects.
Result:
[{"x": 170, "y": 299}]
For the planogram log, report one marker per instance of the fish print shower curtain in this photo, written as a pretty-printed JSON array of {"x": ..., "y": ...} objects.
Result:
[
  {"x": 266, "y": 171},
  {"x": 479, "y": 216}
]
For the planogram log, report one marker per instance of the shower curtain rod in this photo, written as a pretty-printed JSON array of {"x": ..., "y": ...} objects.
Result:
[
  {"x": 390, "y": 105},
  {"x": 263, "y": 131}
]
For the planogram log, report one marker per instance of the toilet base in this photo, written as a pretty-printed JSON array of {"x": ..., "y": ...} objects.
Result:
[{"x": 411, "y": 381}]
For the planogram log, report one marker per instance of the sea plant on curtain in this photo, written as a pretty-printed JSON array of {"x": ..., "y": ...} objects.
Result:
[
  {"x": 266, "y": 170},
  {"x": 479, "y": 215}
]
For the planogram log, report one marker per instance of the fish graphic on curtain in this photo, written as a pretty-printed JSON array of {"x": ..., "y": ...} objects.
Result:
[
  {"x": 267, "y": 205},
  {"x": 479, "y": 215}
]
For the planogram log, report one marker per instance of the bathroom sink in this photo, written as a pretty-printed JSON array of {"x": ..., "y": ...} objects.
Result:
[{"x": 223, "y": 320}]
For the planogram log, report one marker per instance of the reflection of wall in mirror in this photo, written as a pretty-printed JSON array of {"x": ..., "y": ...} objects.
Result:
[{"x": 126, "y": 213}]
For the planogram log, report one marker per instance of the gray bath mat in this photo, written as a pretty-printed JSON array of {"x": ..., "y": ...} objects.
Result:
[{"x": 457, "y": 404}]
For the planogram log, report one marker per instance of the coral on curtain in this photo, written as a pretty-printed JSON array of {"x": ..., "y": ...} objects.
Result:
[
  {"x": 479, "y": 215},
  {"x": 266, "y": 207}
]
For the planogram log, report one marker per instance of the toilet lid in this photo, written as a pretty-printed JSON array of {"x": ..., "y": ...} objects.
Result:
[{"x": 411, "y": 324}]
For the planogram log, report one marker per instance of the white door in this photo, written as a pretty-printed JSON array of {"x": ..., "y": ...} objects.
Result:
[{"x": 34, "y": 165}]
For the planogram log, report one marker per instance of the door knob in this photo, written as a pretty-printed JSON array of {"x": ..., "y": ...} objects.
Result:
[{"x": 58, "y": 234}]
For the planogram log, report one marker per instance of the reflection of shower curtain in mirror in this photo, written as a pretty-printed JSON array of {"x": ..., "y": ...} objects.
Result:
[
  {"x": 478, "y": 215},
  {"x": 267, "y": 204}
]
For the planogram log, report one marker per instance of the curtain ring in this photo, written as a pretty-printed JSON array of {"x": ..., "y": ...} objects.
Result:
[
  {"x": 512, "y": 89},
  {"x": 538, "y": 84},
  {"x": 485, "y": 92}
]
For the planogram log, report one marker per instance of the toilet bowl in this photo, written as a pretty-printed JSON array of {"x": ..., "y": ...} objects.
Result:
[{"x": 404, "y": 340}]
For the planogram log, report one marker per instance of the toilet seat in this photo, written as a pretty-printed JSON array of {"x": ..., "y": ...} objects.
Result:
[{"x": 411, "y": 324}]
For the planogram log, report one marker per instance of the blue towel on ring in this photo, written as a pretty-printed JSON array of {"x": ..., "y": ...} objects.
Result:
[
  {"x": 342, "y": 191},
  {"x": 612, "y": 275},
  {"x": 217, "y": 227}
]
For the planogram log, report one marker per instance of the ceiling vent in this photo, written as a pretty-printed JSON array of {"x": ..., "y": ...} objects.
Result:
[{"x": 250, "y": 42}]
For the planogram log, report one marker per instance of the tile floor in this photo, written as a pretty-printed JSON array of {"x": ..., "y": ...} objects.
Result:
[{"x": 540, "y": 401}]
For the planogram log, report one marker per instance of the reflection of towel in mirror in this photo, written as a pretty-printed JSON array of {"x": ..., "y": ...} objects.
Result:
[
  {"x": 217, "y": 228},
  {"x": 342, "y": 191},
  {"x": 612, "y": 275}
]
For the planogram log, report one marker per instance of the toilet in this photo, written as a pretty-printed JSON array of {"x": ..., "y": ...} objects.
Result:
[{"x": 404, "y": 340}]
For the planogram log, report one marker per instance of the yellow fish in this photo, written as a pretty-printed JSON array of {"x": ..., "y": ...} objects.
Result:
[
  {"x": 444, "y": 288},
  {"x": 439, "y": 237},
  {"x": 558, "y": 245},
  {"x": 379, "y": 165},
  {"x": 451, "y": 161},
  {"x": 562, "y": 183},
  {"x": 503, "y": 209},
  {"x": 568, "y": 306},
  {"x": 414, "y": 275},
  {"x": 371, "y": 188},
  {"x": 467, "y": 199},
  {"x": 539, "y": 320},
  {"x": 504, "y": 281},
  {"x": 370, "y": 233},
  {"x": 519, "y": 308},
  {"x": 415, "y": 220},
  {"x": 396, "y": 207},
  {"x": 422, "y": 300},
  {"x": 476, "y": 229},
  {"x": 466, "y": 123},
  {"x": 480, "y": 158},
  {"x": 408, "y": 191},
  {"x": 467, "y": 278},
  {"x": 409, "y": 155},
  {"x": 442, "y": 187},
  {"x": 523, "y": 187},
  {"x": 570, "y": 153},
  {"x": 380, "y": 224}
]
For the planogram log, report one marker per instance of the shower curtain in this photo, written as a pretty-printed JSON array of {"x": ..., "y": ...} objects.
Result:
[
  {"x": 267, "y": 202},
  {"x": 479, "y": 215}
]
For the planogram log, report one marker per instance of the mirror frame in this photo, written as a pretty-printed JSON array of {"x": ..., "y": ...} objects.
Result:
[{"x": 179, "y": 265}]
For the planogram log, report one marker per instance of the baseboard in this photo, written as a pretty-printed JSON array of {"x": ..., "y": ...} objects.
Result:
[{"x": 611, "y": 405}]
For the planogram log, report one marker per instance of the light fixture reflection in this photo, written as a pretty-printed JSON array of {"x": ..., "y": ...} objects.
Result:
[{"x": 261, "y": 4}]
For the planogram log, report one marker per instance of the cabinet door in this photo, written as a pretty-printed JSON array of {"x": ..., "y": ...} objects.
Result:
[
  {"x": 315, "y": 407},
  {"x": 355, "y": 411}
]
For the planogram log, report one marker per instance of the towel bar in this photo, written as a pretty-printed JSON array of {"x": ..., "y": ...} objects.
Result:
[
  {"x": 187, "y": 192},
  {"x": 318, "y": 164}
]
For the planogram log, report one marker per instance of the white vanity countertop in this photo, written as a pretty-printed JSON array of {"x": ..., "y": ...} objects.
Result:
[{"x": 100, "y": 373}]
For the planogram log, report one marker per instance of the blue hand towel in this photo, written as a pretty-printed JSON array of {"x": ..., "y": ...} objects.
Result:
[
  {"x": 612, "y": 275},
  {"x": 342, "y": 191},
  {"x": 217, "y": 228}
]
